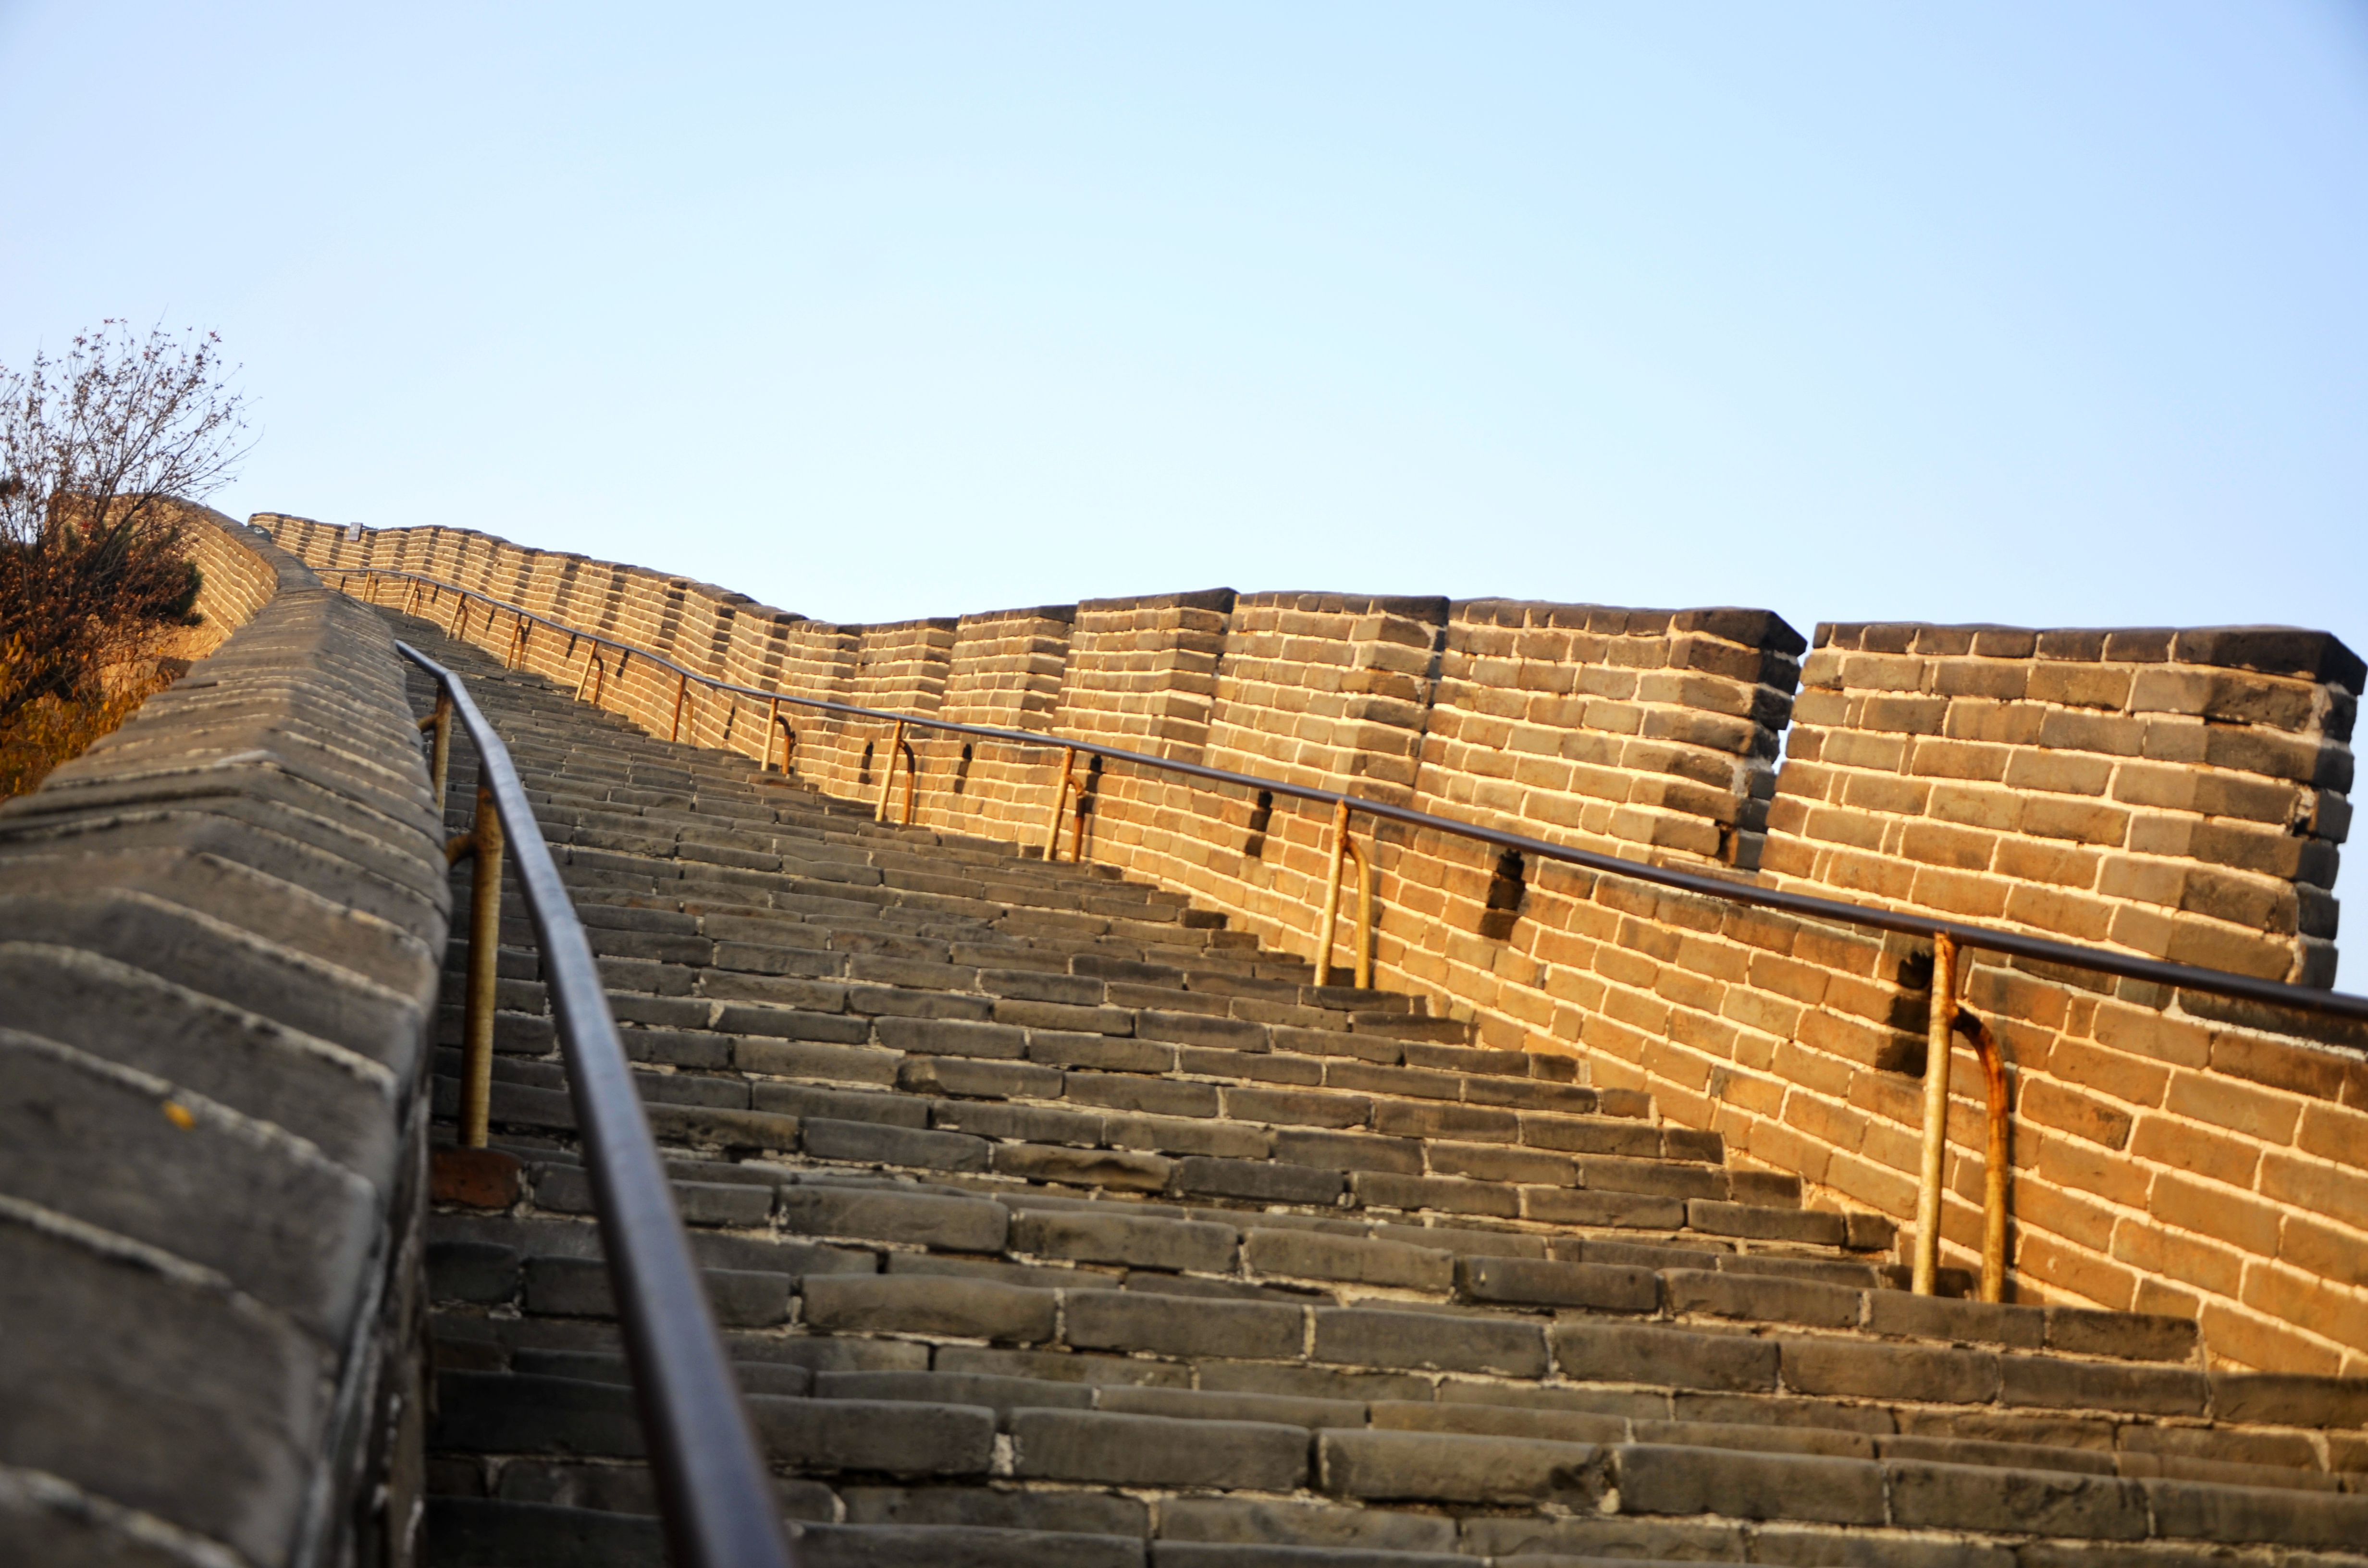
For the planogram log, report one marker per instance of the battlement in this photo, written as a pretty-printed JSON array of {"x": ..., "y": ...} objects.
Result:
[{"x": 2177, "y": 793}]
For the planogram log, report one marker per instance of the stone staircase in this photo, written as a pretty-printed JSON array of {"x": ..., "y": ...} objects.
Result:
[{"x": 1051, "y": 1222}]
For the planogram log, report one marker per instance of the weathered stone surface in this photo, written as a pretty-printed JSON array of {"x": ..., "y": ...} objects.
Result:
[
  {"x": 1151, "y": 1450},
  {"x": 1454, "y": 1468},
  {"x": 969, "y": 1309}
]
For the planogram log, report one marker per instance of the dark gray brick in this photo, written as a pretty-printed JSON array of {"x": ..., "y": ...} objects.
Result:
[
  {"x": 1083, "y": 1167},
  {"x": 1760, "y": 1297},
  {"x": 890, "y": 1437},
  {"x": 1436, "y": 1342},
  {"x": 1259, "y": 1180},
  {"x": 1634, "y": 1353},
  {"x": 2054, "y": 1503},
  {"x": 914, "y": 1219},
  {"x": 1151, "y": 1450},
  {"x": 967, "y": 1309},
  {"x": 1737, "y": 1485},
  {"x": 1309, "y": 1254},
  {"x": 1456, "y": 1468},
  {"x": 1183, "y": 1325},
  {"x": 1124, "y": 1238},
  {"x": 873, "y": 1144},
  {"x": 1521, "y": 1281}
]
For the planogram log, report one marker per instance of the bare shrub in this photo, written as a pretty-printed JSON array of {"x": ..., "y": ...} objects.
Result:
[{"x": 98, "y": 450}]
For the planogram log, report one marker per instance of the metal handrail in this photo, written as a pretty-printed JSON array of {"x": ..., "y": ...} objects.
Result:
[
  {"x": 714, "y": 1492},
  {"x": 1949, "y": 937}
]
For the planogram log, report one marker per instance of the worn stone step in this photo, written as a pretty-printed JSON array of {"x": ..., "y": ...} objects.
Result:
[{"x": 1177, "y": 1258}]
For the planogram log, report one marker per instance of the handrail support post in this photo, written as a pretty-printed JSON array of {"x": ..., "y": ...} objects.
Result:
[
  {"x": 1331, "y": 895},
  {"x": 439, "y": 748},
  {"x": 1939, "y": 1045},
  {"x": 483, "y": 846},
  {"x": 888, "y": 772},
  {"x": 1060, "y": 801}
]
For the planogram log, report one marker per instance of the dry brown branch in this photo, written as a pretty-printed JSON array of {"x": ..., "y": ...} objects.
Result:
[{"x": 98, "y": 451}]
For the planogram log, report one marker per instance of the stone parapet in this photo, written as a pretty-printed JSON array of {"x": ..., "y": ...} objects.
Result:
[{"x": 220, "y": 931}]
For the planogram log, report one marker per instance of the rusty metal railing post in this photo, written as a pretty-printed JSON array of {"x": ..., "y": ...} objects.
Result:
[
  {"x": 1938, "y": 1048},
  {"x": 482, "y": 846},
  {"x": 888, "y": 772},
  {"x": 681, "y": 690},
  {"x": 1363, "y": 955},
  {"x": 1060, "y": 803},
  {"x": 1998, "y": 1169},
  {"x": 1331, "y": 895},
  {"x": 440, "y": 749}
]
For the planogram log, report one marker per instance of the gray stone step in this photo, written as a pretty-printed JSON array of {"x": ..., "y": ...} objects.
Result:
[{"x": 1052, "y": 1222}]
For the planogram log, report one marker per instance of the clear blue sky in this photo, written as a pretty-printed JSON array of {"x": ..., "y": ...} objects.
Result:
[{"x": 2049, "y": 314}]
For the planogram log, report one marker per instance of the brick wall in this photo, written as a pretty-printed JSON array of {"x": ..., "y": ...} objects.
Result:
[
  {"x": 2179, "y": 794},
  {"x": 2176, "y": 793}
]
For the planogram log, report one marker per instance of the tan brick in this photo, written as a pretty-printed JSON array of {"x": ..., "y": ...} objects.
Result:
[
  {"x": 2244, "y": 1223},
  {"x": 2064, "y": 1214},
  {"x": 2135, "y": 1081},
  {"x": 2202, "y": 1150},
  {"x": 2047, "y": 862},
  {"x": 2296, "y": 1297},
  {"x": 2332, "y": 1191},
  {"x": 2258, "y": 1113},
  {"x": 1958, "y": 759},
  {"x": 2331, "y": 1252},
  {"x": 2333, "y": 1133},
  {"x": 1977, "y": 805},
  {"x": 2154, "y": 1250},
  {"x": 2079, "y": 1165},
  {"x": 1969, "y": 894},
  {"x": 2052, "y": 1105},
  {"x": 2075, "y": 1271},
  {"x": 1958, "y": 848}
]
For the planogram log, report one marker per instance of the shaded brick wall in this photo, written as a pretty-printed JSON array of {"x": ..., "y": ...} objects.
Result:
[{"x": 2178, "y": 793}]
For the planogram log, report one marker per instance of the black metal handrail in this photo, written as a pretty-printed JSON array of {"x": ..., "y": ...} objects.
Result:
[
  {"x": 1963, "y": 934},
  {"x": 714, "y": 1492}
]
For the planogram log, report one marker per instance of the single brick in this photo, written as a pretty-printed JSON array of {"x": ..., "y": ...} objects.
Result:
[
  {"x": 1769, "y": 1298},
  {"x": 1152, "y": 1450},
  {"x": 1261, "y": 1181},
  {"x": 2052, "y": 1383},
  {"x": 1447, "y": 1467},
  {"x": 1184, "y": 1325},
  {"x": 1309, "y": 1254},
  {"x": 1865, "y": 1370},
  {"x": 2046, "y": 1502},
  {"x": 1083, "y": 1167},
  {"x": 2134, "y": 1336},
  {"x": 1089, "y": 1237},
  {"x": 1943, "y": 1317},
  {"x": 1431, "y": 1341},
  {"x": 893, "y": 1437},
  {"x": 914, "y": 1219},
  {"x": 1669, "y": 1358},
  {"x": 928, "y": 1304},
  {"x": 872, "y": 1144},
  {"x": 1533, "y": 1282},
  {"x": 1739, "y": 1484}
]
